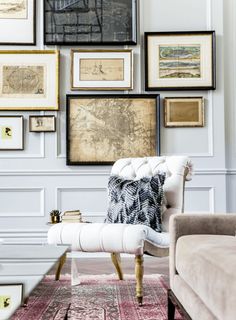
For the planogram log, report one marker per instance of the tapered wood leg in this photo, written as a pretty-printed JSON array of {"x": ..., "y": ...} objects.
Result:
[
  {"x": 171, "y": 307},
  {"x": 139, "y": 278},
  {"x": 115, "y": 257},
  {"x": 60, "y": 265}
]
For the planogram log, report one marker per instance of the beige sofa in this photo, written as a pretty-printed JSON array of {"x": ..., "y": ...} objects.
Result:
[{"x": 203, "y": 266}]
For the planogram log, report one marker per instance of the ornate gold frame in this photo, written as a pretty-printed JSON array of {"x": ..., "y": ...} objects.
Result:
[{"x": 33, "y": 108}]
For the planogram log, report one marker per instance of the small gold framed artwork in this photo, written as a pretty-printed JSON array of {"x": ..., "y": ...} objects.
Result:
[
  {"x": 184, "y": 112},
  {"x": 101, "y": 69},
  {"x": 42, "y": 123}
]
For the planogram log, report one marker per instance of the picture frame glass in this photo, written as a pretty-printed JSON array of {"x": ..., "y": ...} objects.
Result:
[
  {"x": 42, "y": 123},
  {"x": 11, "y": 133},
  {"x": 90, "y": 22},
  {"x": 102, "y": 129},
  {"x": 11, "y": 297}
]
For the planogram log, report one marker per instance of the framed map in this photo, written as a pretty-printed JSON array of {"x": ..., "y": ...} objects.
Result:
[
  {"x": 95, "y": 22},
  {"x": 104, "y": 128},
  {"x": 101, "y": 69},
  {"x": 18, "y": 15},
  {"x": 29, "y": 80},
  {"x": 180, "y": 60}
]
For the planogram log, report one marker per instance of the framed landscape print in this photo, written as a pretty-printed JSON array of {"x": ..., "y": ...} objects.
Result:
[
  {"x": 184, "y": 112},
  {"x": 180, "y": 60},
  {"x": 101, "y": 69},
  {"x": 18, "y": 22},
  {"x": 11, "y": 133},
  {"x": 97, "y": 22},
  {"x": 11, "y": 297},
  {"x": 42, "y": 123},
  {"x": 29, "y": 80},
  {"x": 103, "y": 128}
]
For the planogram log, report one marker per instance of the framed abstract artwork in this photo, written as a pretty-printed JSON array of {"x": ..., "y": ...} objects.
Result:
[
  {"x": 101, "y": 69},
  {"x": 184, "y": 112},
  {"x": 104, "y": 128},
  {"x": 42, "y": 123},
  {"x": 29, "y": 80},
  {"x": 180, "y": 60},
  {"x": 90, "y": 22},
  {"x": 18, "y": 20},
  {"x": 11, "y": 297},
  {"x": 11, "y": 133}
]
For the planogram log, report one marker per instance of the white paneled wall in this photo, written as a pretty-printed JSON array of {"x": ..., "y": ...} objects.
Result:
[{"x": 37, "y": 180}]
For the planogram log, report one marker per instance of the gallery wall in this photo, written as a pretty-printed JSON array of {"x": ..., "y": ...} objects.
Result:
[{"x": 37, "y": 180}]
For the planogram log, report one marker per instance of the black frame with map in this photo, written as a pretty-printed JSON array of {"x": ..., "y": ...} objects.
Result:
[
  {"x": 98, "y": 22},
  {"x": 100, "y": 129}
]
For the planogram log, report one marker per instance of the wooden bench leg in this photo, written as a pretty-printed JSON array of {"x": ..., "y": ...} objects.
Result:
[
  {"x": 60, "y": 265},
  {"x": 115, "y": 257},
  {"x": 139, "y": 278},
  {"x": 171, "y": 307}
]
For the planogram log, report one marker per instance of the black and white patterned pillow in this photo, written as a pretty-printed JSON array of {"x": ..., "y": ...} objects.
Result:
[{"x": 136, "y": 201}]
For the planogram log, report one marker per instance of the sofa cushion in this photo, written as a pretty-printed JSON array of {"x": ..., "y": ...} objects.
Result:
[{"x": 207, "y": 263}]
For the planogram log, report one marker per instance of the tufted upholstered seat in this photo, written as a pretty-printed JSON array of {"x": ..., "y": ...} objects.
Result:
[{"x": 134, "y": 239}]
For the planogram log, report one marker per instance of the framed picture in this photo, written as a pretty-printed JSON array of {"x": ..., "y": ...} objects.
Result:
[
  {"x": 101, "y": 69},
  {"x": 29, "y": 80},
  {"x": 42, "y": 123},
  {"x": 180, "y": 60},
  {"x": 97, "y": 22},
  {"x": 104, "y": 128},
  {"x": 184, "y": 112},
  {"x": 18, "y": 19},
  {"x": 11, "y": 133},
  {"x": 11, "y": 297}
]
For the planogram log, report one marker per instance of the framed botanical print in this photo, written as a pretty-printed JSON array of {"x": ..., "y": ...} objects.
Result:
[
  {"x": 11, "y": 297},
  {"x": 101, "y": 69},
  {"x": 180, "y": 60},
  {"x": 18, "y": 22},
  {"x": 99, "y": 22},
  {"x": 184, "y": 112},
  {"x": 29, "y": 80},
  {"x": 103, "y": 128},
  {"x": 42, "y": 123},
  {"x": 11, "y": 133}
]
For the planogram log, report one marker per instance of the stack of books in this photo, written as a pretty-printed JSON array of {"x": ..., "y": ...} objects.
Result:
[{"x": 71, "y": 216}]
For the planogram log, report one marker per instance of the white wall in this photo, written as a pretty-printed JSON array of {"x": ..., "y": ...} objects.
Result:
[{"x": 37, "y": 180}]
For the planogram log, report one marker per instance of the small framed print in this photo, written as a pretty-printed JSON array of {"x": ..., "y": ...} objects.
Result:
[
  {"x": 104, "y": 128},
  {"x": 29, "y": 80},
  {"x": 18, "y": 20},
  {"x": 184, "y": 112},
  {"x": 180, "y": 60},
  {"x": 42, "y": 123},
  {"x": 11, "y": 298},
  {"x": 101, "y": 69},
  {"x": 11, "y": 133}
]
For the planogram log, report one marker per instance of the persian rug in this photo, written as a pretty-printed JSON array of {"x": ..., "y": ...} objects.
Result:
[{"x": 97, "y": 298}]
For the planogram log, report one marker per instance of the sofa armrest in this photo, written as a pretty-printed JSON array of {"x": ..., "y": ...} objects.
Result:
[{"x": 187, "y": 224}]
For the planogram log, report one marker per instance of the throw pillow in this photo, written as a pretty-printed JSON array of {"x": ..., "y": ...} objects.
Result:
[{"x": 136, "y": 201}]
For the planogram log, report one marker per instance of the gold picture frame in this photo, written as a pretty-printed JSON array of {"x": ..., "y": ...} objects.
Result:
[
  {"x": 101, "y": 69},
  {"x": 184, "y": 112},
  {"x": 29, "y": 80}
]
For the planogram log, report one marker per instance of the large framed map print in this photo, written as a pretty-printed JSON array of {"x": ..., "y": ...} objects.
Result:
[
  {"x": 29, "y": 80},
  {"x": 18, "y": 22},
  {"x": 90, "y": 22},
  {"x": 104, "y": 128}
]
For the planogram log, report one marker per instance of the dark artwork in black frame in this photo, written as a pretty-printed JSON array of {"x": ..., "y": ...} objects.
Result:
[{"x": 90, "y": 22}]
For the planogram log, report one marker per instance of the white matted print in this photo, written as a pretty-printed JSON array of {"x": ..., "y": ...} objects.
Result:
[
  {"x": 29, "y": 80},
  {"x": 17, "y": 15},
  {"x": 11, "y": 133},
  {"x": 42, "y": 123},
  {"x": 11, "y": 297},
  {"x": 101, "y": 69}
]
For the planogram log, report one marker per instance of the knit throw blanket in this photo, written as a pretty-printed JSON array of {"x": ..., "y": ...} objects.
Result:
[{"x": 136, "y": 201}]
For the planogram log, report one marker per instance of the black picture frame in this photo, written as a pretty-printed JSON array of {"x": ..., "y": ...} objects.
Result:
[
  {"x": 24, "y": 43},
  {"x": 107, "y": 22},
  {"x": 31, "y": 129},
  {"x": 143, "y": 124},
  {"x": 163, "y": 71}
]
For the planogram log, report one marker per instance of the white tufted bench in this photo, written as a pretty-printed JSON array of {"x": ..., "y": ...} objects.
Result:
[{"x": 133, "y": 239}]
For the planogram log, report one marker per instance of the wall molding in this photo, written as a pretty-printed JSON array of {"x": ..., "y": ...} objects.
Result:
[
  {"x": 23, "y": 236},
  {"x": 211, "y": 192}
]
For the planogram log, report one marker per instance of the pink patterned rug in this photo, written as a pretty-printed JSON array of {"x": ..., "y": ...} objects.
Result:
[{"x": 96, "y": 298}]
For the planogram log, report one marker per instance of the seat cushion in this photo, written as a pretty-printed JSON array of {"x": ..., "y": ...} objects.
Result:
[
  {"x": 207, "y": 263},
  {"x": 102, "y": 237}
]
